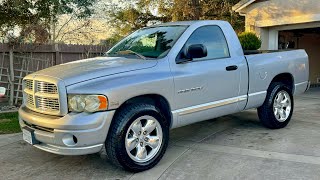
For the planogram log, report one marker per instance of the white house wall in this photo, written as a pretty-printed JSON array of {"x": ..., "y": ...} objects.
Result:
[
  {"x": 266, "y": 17},
  {"x": 281, "y": 12}
]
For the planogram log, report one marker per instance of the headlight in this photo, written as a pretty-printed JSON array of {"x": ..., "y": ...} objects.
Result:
[
  {"x": 76, "y": 103},
  {"x": 87, "y": 103}
]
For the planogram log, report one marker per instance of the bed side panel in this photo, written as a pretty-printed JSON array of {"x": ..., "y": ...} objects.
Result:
[{"x": 264, "y": 67}]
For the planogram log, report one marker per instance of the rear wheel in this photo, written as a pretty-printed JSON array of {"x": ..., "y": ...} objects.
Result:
[
  {"x": 138, "y": 137},
  {"x": 277, "y": 109}
]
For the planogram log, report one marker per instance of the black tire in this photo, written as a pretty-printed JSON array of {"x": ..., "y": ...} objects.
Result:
[
  {"x": 265, "y": 112},
  {"x": 115, "y": 142}
]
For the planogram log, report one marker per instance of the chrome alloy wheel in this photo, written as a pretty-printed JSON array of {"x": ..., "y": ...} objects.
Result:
[
  {"x": 143, "y": 139},
  {"x": 282, "y": 106}
]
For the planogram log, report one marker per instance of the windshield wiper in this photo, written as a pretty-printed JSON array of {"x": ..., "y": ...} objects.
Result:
[{"x": 132, "y": 52}]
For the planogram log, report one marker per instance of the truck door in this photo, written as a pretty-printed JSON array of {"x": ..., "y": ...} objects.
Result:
[{"x": 207, "y": 87}]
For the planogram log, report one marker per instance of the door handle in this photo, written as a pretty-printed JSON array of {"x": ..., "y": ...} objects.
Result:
[{"x": 231, "y": 68}]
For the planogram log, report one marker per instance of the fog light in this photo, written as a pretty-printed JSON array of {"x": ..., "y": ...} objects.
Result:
[{"x": 69, "y": 140}]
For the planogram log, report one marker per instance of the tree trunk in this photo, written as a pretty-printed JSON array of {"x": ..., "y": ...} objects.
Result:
[{"x": 196, "y": 7}]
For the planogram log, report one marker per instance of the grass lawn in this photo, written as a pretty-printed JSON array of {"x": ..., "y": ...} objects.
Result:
[{"x": 9, "y": 123}]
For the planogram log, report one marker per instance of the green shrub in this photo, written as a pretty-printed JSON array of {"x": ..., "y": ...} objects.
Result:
[{"x": 249, "y": 41}]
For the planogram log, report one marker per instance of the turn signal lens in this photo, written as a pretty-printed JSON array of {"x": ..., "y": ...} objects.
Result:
[{"x": 95, "y": 103}]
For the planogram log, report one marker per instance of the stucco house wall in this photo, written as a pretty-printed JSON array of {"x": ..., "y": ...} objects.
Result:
[{"x": 269, "y": 17}]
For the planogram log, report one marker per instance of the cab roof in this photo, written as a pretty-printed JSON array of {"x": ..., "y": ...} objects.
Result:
[{"x": 187, "y": 23}]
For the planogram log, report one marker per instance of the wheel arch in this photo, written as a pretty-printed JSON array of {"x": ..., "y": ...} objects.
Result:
[
  {"x": 286, "y": 78},
  {"x": 155, "y": 99}
]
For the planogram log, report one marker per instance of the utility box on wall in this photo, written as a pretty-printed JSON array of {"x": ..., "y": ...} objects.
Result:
[{"x": 2, "y": 92}]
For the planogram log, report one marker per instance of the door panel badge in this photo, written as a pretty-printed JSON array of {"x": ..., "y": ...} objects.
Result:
[{"x": 190, "y": 90}]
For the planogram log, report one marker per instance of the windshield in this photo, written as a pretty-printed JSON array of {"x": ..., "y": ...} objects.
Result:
[{"x": 153, "y": 42}]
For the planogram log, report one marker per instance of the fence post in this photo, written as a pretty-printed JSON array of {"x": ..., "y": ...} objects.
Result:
[
  {"x": 11, "y": 78},
  {"x": 57, "y": 56}
]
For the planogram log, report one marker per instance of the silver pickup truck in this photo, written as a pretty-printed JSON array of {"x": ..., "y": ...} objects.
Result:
[{"x": 156, "y": 79}]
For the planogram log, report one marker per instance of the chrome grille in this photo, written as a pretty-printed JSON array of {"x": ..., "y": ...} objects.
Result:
[
  {"x": 45, "y": 87},
  {"x": 48, "y": 103},
  {"x": 41, "y": 96},
  {"x": 28, "y": 84},
  {"x": 29, "y": 99}
]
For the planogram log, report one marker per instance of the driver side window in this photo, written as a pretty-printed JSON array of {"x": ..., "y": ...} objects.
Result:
[{"x": 213, "y": 39}]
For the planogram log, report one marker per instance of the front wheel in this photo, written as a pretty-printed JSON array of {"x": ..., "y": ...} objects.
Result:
[
  {"x": 138, "y": 137},
  {"x": 277, "y": 109}
]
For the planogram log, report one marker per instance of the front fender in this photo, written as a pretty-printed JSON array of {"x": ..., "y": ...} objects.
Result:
[{"x": 121, "y": 87}]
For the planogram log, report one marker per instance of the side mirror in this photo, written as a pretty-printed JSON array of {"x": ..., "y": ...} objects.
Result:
[{"x": 191, "y": 52}]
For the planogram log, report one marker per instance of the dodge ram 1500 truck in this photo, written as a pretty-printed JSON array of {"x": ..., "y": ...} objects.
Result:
[{"x": 156, "y": 79}]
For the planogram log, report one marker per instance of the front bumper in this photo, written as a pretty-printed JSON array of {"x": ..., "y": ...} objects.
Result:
[{"x": 53, "y": 133}]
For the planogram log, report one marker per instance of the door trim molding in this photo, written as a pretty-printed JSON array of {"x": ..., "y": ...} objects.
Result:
[
  {"x": 257, "y": 93},
  {"x": 210, "y": 105}
]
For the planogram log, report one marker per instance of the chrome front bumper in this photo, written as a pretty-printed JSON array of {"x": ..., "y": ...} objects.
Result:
[{"x": 53, "y": 133}]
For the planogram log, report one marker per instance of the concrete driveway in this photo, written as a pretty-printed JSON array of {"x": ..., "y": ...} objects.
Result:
[{"x": 230, "y": 147}]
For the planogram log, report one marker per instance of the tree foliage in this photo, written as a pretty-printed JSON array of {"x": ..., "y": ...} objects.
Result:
[
  {"x": 126, "y": 16},
  {"x": 35, "y": 17},
  {"x": 129, "y": 16}
]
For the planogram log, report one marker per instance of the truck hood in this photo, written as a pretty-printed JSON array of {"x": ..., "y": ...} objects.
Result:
[{"x": 86, "y": 69}]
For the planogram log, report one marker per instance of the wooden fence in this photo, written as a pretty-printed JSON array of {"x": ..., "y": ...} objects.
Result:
[{"x": 18, "y": 61}]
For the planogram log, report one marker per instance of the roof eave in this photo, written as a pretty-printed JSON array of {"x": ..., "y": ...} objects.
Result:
[{"x": 242, "y": 4}]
